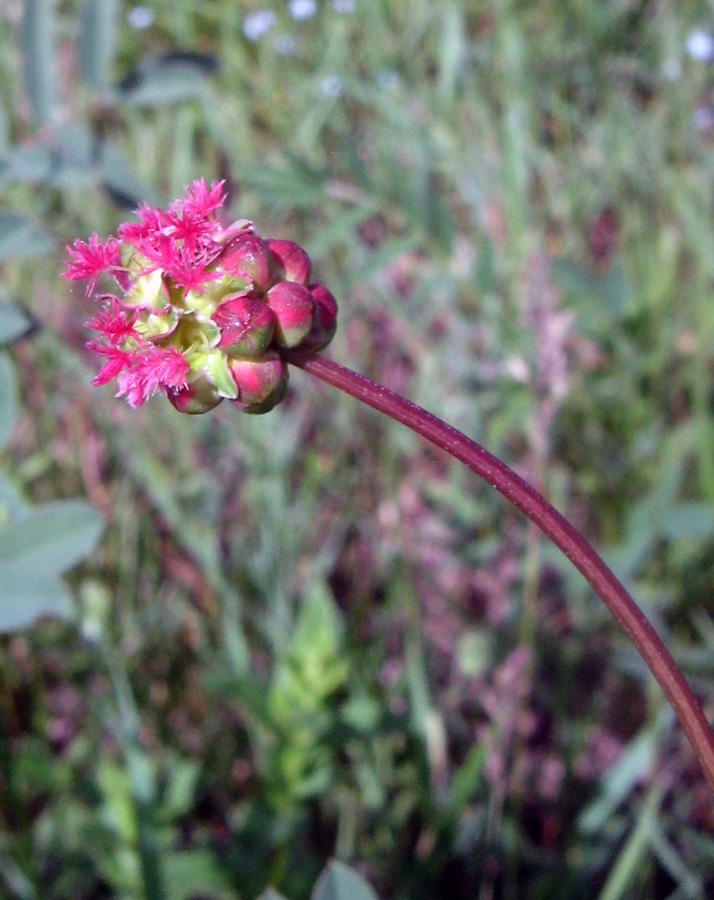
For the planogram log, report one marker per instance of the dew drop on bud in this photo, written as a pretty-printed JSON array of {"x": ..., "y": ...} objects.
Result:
[{"x": 246, "y": 324}]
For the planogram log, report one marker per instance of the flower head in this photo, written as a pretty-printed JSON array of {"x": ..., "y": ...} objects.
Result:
[{"x": 200, "y": 311}]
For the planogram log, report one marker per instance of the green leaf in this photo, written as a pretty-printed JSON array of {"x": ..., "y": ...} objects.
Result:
[
  {"x": 293, "y": 187},
  {"x": 26, "y": 596},
  {"x": 8, "y": 399},
  {"x": 20, "y": 237},
  {"x": 13, "y": 322},
  {"x": 219, "y": 372},
  {"x": 163, "y": 81},
  {"x": 11, "y": 502},
  {"x": 271, "y": 894},
  {"x": 4, "y": 142},
  {"x": 180, "y": 790},
  {"x": 632, "y": 855},
  {"x": 673, "y": 860},
  {"x": 192, "y": 873},
  {"x": 340, "y": 882},
  {"x": 119, "y": 809},
  {"x": 599, "y": 298},
  {"x": 49, "y": 539},
  {"x": 36, "y": 545},
  {"x": 97, "y": 40},
  {"x": 315, "y": 666},
  {"x": 33, "y": 164},
  {"x": 689, "y": 521},
  {"x": 382, "y": 258},
  {"x": 453, "y": 51},
  {"x": 340, "y": 229},
  {"x": 634, "y": 764},
  {"x": 465, "y": 780},
  {"x": 38, "y": 57},
  {"x": 75, "y": 160},
  {"x": 120, "y": 181}
]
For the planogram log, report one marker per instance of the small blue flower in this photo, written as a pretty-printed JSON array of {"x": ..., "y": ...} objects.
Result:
[
  {"x": 285, "y": 44},
  {"x": 302, "y": 9},
  {"x": 258, "y": 23},
  {"x": 700, "y": 45},
  {"x": 331, "y": 86},
  {"x": 140, "y": 17}
]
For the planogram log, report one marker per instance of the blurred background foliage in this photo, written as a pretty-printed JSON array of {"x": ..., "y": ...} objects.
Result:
[{"x": 306, "y": 636}]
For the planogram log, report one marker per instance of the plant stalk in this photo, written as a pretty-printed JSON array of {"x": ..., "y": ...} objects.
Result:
[{"x": 633, "y": 621}]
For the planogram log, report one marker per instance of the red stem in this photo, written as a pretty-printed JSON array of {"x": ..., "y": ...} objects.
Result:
[{"x": 551, "y": 523}]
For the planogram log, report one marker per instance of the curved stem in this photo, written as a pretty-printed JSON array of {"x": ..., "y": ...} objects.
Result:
[{"x": 551, "y": 523}]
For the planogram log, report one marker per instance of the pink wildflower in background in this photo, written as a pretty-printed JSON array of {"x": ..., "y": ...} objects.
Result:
[{"x": 200, "y": 311}]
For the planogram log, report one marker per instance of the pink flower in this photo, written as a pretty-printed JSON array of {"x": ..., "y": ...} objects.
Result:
[
  {"x": 181, "y": 240},
  {"x": 151, "y": 371},
  {"x": 190, "y": 268},
  {"x": 90, "y": 259},
  {"x": 117, "y": 360},
  {"x": 201, "y": 312},
  {"x": 200, "y": 201},
  {"x": 115, "y": 324},
  {"x": 153, "y": 225}
]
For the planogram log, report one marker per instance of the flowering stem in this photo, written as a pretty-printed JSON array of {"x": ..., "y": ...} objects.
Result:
[{"x": 551, "y": 523}]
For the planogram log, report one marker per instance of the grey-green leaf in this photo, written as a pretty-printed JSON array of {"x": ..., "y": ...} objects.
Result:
[
  {"x": 34, "y": 164},
  {"x": 50, "y": 538},
  {"x": 8, "y": 399},
  {"x": 117, "y": 177},
  {"x": 13, "y": 322},
  {"x": 76, "y": 154},
  {"x": 689, "y": 521},
  {"x": 20, "y": 237},
  {"x": 11, "y": 503},
  {"x": 38, "y": 57},
  {"x": 26, "y": 596},
  {"x": 340, "y": 882},
  {"x": 161, "y": 82},
  {"x": 291, "y": 186},
  {"x": 4, "y": 142},
  {"x": 97, "y": 40}
]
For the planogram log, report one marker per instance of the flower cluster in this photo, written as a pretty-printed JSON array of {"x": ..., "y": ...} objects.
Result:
[{"x": 202, "y": 311}]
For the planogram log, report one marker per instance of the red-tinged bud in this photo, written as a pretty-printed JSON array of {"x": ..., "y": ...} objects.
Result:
[
  {"x": 276, "y": 397},
  {"x": 247, "y": 254},
  {"x": 246, "y": 324},
  {"x": 293, "y": 264},
  {"x": 259, "y": 381},
  {"x": 197, "y": 397},
  {"x": 324, "y": 321},
  {"x": 293, "y": 308}
]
